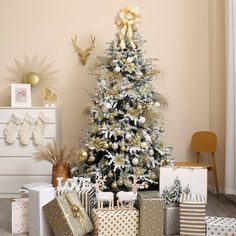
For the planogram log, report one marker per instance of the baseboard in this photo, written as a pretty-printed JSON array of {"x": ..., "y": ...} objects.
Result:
[{"x": 212, "y": 189}]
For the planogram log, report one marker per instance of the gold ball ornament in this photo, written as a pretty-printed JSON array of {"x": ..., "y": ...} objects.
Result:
[
  {"x": 146, "y": 186},
  {"x": 105, "y": 145},
  {"x": 83, "y": 155},
  {"x": 114, "y": 185},
  {"x": 106, "y": 163},
  {"x": 118, "y": 132},
  {"x": 146, "y": 159},
  {"x": 122, "y": 148},
  {"x": 32, "y": 79},
  {"x": 143, "y": 145},
  {"x": 154, "y": 138},
  {"x": 120, "y": 182},
  {"x": 161, "y": 129},
  {"x": 139, "y": 107},
  {"x": 137, "y": 78},
  {"x": 91, "y": 158},
  {"x": 110, "y": 174},
  {"x": 111, "y": 117}
]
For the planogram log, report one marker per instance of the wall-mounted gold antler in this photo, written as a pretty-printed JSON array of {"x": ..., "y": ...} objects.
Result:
[{"x": 83, "y": 53}]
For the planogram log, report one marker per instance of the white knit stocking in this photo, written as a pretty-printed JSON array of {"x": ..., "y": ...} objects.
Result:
[
  {"x": 11, "y": 131},
  {"x": 26, "y": 129},
  {"x": 39, "y": 129}
]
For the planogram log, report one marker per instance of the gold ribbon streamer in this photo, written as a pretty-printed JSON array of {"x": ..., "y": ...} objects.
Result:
[
  {"x": 75, "y": 211},
  {"x": 127, "y": 20}
]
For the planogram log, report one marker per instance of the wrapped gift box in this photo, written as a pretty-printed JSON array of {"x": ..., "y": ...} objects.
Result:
[
  {"x": 88, "y": 199},
  {"x": 33, "y": 185},
  {"x": 220, "y": 226},
  {"x": 171, "y": 219},
  {"x": 195, "y": 177},
  {"x": 151, "y": 210},
  {"x": 20, "y": 216},
  {"x": 67, "y": 217},
  {"x": 192, "y": 215},
  {"x": 38, "y": 197},
  {"x": 117, "y": 222}
]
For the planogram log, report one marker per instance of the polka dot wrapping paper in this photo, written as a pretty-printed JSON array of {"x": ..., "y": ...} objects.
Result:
[
  {"x": 222, "y": 226},
  {"x": 151, "y": 210},
  {"x": 116, "y": 222},
  {"x": 20, "y": 214}
]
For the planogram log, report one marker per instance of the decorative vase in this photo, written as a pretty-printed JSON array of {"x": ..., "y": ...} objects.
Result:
[{"x": 60, "y": 170}]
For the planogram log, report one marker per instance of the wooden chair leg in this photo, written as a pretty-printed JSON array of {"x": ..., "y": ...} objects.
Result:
[{"x": 215, "y": 174}]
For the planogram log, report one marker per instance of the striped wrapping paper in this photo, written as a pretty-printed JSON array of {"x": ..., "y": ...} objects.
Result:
[{"x": 192, "y": 214}]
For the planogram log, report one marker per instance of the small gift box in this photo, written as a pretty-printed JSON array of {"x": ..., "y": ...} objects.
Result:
[
  {"x": 192, "y": 214},
  {"x": 151, "y": 210},
  {"x": 117, "y": 222},
  {"x": 220, "y": 226},
  {"x": 171, "y": 219},
  {"x": 67, "y": 217},
  {"x": 20, "y": 216}
]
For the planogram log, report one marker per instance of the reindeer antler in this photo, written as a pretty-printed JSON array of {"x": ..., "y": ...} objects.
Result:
[{"x": 83, "y": 54}]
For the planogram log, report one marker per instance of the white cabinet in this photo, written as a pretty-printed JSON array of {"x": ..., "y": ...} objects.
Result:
[{"x": 17, "y": 165}]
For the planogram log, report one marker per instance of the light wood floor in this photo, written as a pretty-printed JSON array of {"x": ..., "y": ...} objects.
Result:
[{"x": 217, "y": 206}]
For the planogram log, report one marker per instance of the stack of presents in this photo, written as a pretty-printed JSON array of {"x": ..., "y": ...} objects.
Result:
[{"x": 76, "y": 208}]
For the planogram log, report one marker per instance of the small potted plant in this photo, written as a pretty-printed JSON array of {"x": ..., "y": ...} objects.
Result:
[{"x": 60, "y": 158}]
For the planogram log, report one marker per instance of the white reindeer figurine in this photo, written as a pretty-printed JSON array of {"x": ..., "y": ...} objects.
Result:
[
  {"x": 103, "y": 196},
  {"x": 129, "y": 197}
]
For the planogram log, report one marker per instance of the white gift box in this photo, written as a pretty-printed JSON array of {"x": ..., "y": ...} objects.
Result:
[
  {"x": 33, "y": 185},
  {"x": 194, "y": 177},
  {"x": 38, "y": 197},
  {"x": 220, "y": 226},
  {"x": 19, "y": 217}
]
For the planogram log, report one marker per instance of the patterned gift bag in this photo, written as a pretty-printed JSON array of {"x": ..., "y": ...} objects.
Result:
[{"x": 20, "y": 215}]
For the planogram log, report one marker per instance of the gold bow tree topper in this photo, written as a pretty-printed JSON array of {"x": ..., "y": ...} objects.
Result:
[{"x": 127, "y": 21}]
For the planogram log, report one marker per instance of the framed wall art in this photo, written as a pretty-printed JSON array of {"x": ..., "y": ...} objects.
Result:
[{"x": 20, "y": 95}]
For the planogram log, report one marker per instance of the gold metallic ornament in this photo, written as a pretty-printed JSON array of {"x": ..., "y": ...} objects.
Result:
[
  {"x": 146, "y": 159},
  {"x": 114, "y": 185},
  {"x": 110, "y": 174},
  {"x": 32, "y": 79},
  {"x": 91, "y": 158},
  {"x": 106, "y": 163},
  {"x": 83, "y": 155},
  {"x": 139, "y": 107},
  {"x": 146, "y": 185},
  {"x": 105, "y": 145},
  {"x": 161, "y": 129},
  {"x": 137, "y": 78},
  {"x": 111, "y": 117},
  {"x": 120, "y": 182},
  {"x": 143, "y": 145},
  {"x": 154, "y": 138},
  {"x": 122, "y": 148}
]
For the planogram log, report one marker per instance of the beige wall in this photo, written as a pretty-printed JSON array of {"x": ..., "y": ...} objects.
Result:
[{"x": 177, "y": 32}]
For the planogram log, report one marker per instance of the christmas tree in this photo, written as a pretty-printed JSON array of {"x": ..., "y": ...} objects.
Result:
[{"x": 124, "y": 139}]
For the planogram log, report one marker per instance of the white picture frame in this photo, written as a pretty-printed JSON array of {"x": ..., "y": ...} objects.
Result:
[{"x": 20, "y": 95}]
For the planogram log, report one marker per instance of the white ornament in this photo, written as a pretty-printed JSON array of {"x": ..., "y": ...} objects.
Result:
[
  {"x": 157, "y": 104},
  {"x": 128, "y": 136},
  {"x": 143, "y": 145},
  {"x": 151, "y": 152},
  {"x": 129, "y": 59},
  {"x": 107, "y": 105},
  {"x": 115, "y": 146},
  {"x": 135, "y": 161},
  {"x": 142, "y": 120},
  {"x": 117, "y": 69}
]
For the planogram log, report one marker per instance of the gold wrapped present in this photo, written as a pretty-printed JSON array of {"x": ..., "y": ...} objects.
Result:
[
  {"x": 151, "y": 210},
  {"x": 115, "y": 222},
  {"x": 67, "y": 217}
]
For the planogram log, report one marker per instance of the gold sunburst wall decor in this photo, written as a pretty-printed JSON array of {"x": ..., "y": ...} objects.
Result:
[{"x": 38, "y": 73}]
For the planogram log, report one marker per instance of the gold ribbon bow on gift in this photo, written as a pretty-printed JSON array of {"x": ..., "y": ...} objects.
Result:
[{"x": 127, "y": 20}]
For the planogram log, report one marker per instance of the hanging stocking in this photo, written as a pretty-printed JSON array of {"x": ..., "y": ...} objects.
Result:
[
  {"x": 26, "y": 129},
  {"x": 39, "y": 129},
  {"x": 11, "y": 131}
]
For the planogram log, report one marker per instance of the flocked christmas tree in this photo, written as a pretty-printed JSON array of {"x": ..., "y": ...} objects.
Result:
[{"x": 124, "y": 138}]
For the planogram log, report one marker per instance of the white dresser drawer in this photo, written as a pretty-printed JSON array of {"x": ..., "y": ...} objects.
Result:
[
  {"x": 5, "y": 113},
  {"x": 24, "y": 166},
  {"x": 50, "y": 131}
]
